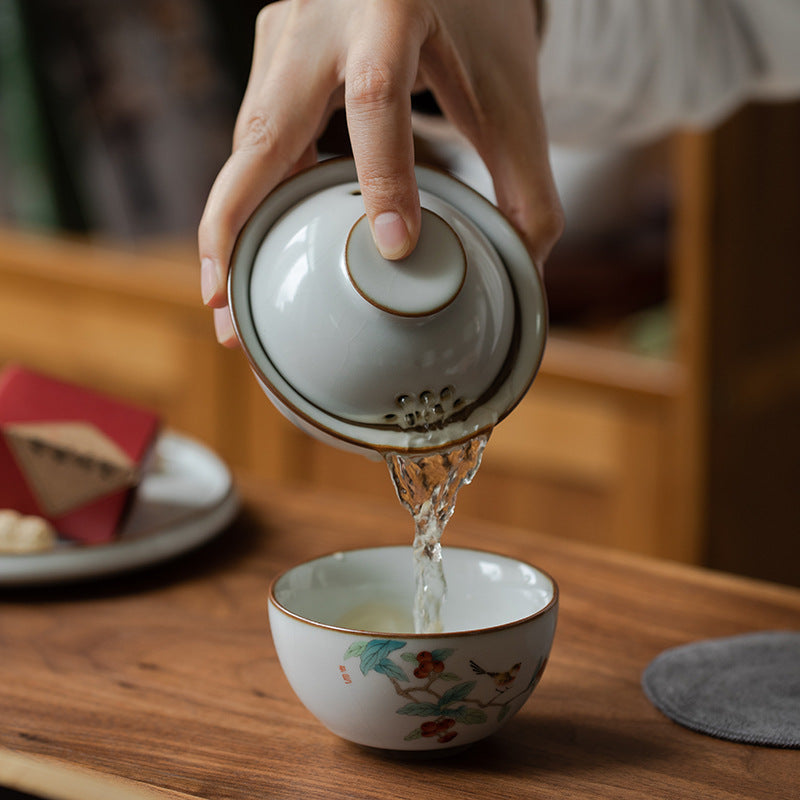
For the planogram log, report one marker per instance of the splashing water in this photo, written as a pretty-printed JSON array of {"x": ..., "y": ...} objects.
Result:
[{"x": 427, "y": 486}]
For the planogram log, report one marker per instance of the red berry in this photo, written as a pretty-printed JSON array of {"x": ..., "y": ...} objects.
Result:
[
  {"x": 448, "y": 737},
  {"x": 445, "y": 724},
  {"x": 424, "y": 656},
  {"x": 423, "y": 670},
  {"x": 438, "y": 666},
  {"x": 428, "y": 729}
]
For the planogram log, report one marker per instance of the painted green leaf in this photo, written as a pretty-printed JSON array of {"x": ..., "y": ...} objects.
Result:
[
  {"x": 456, "y": 693},
  {"x": 375, "y": 651},
  {"x": 503, "y": 712},
  {"x": 415, "y": 734},
  {"x": 449, "y": 676},
  {"x": 442, "y": 654},
  {"x": 389, "y": 668},
  {"x": 409, "y": 657},
  {"x": 355, "y": 649},
  {"x": 419, "y": 710},
  {"x": 470, "y": 716}
]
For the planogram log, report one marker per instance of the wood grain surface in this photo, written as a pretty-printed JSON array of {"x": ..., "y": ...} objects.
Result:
[{"x": 168, "y": 680}]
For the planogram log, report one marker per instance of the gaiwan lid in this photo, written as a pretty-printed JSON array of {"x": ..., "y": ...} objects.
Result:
[{"x": 378, "y": 355}]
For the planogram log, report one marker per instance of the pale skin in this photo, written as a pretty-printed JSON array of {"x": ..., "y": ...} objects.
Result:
[{"x": 312, "y": 56}]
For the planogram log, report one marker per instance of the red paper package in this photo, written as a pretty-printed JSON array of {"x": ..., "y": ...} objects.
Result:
[{"x": 70, "y": 454}]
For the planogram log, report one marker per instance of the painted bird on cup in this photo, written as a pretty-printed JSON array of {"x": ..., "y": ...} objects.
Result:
[{"x": 502, "y": 680}]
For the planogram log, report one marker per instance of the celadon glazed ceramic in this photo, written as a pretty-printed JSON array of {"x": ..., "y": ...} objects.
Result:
[
  {"x": 375, "y": 355},
  {"x": 382, "y": 685}
]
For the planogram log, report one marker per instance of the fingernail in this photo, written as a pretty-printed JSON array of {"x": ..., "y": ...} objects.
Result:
[
  {"x": 391, "y": 234},
  {"x": 223, "y": 326},
  {"x": 210, "y": 279}
]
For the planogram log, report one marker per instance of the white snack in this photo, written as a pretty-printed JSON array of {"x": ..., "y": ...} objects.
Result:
[{"x": 21, "y": 534}]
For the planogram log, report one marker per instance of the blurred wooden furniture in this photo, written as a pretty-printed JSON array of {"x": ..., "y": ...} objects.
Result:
[
  {"x": 165, "y": 683},
  {"x": 737, "y": 251},
  {"x": 694, "y": 457}
]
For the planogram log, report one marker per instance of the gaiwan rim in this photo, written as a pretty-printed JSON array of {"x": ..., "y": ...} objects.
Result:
[
  {"x": 523, "y": 274},
  {"x": 551, "y": 604}
]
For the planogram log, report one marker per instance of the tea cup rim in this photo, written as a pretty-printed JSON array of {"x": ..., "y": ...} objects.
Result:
[{"x": 547, "y": 608}]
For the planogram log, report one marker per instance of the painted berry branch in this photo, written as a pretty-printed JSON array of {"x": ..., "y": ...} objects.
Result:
[{"x": 446, "y": 708}]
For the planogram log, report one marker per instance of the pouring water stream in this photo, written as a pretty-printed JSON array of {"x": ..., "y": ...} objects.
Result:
[{"x": 427, "y": 486}]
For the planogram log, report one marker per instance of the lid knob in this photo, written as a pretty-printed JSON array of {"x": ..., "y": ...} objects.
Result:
[{"x": 426, "y": 281}]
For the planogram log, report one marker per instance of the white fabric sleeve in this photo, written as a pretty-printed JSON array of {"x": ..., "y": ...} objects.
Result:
[{"x": 616, "y": 71}]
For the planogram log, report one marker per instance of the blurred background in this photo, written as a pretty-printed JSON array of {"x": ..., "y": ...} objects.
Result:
[{"x": 666, "y": 417}]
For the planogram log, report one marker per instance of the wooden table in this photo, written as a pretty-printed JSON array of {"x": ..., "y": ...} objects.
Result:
[{"x": 166, "y": 684}]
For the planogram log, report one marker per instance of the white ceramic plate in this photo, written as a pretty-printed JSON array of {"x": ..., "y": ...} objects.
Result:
[{"x": 185, "y": 499}]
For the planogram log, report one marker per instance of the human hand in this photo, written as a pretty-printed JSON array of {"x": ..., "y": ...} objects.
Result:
[{"x": 311, "y": 56}]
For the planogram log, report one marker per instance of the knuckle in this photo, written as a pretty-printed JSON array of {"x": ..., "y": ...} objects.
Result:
[
  {"x": 257, "y": 130},
  {"x": 551, "y": 223},
  {"x": 265, "y": 18},
  {"x": 372, "y": 181},
  {"x": 546, "y": 231},
  {"x": 371, "y": 85},
  {"x": 540, "y": 223},
  {"x": 382, "y": 190}
]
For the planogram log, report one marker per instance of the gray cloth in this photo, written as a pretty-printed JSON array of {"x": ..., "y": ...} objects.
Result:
[{"x": 743, "y": 688}]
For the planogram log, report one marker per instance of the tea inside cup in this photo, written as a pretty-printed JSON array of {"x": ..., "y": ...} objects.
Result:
[{"x": 484, "y": 590}]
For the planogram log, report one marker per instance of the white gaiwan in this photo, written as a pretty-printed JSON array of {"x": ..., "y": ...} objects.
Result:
[{"x": 375, "y": 355}]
